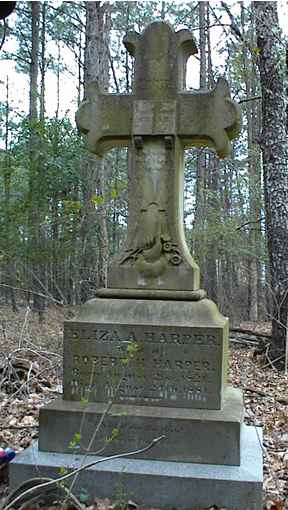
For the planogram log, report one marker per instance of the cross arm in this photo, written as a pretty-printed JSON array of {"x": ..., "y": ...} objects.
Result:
[
  {"x": 209, "y": 118},
  {"x": 105, "y": 120}
]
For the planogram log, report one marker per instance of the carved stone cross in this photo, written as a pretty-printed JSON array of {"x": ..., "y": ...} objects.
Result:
[{"x": 157, "y": 122}]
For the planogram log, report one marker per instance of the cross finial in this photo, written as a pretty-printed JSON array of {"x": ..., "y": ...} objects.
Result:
[{"x": 160, "y": 59}]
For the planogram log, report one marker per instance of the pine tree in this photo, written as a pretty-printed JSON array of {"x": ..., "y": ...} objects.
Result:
[
  {"x": 96, "y": 69},
  {"x": 35, "y": 169},
  {"x": 274, "y": 145}
]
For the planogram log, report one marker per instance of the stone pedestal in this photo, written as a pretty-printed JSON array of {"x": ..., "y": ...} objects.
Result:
[
  {"x": 163, "y": 363},
  {"x": 147, "y": 352}
]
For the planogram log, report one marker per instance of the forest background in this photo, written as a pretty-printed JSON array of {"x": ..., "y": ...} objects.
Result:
[{"x": 63, "y": 213}]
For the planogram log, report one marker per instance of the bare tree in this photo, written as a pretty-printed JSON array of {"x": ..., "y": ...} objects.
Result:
[
  {"x": 274, "y": 144},
  {"x": 35, "y": 171},
  {"x": 96, "y": 69}
]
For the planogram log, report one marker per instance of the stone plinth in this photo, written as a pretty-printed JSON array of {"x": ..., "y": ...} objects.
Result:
[
  {"x": 147, "y": 352},
  {"x": 192, "y": 435},
  {"x": 184, "y": 486}
]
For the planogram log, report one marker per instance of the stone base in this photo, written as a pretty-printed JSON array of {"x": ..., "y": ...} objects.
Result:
[
  {"x": 192, "y": 435},
  {"x": 184, "y": 486}
]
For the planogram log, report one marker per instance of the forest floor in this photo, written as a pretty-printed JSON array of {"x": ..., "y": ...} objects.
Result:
[{"x": 31, "y": 375}]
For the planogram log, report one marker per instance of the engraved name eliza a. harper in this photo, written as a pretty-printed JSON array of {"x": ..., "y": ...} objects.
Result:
[{"x": 157, "y": 336}]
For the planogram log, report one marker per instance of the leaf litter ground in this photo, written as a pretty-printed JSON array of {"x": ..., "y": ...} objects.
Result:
[{"x": 31, "y": 375}]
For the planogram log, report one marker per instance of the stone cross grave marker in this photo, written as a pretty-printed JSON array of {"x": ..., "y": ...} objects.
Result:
[
  {"x": 176, "y": 382},
  {"x": 182, "y": 349},
  {"x": 157, "y": 122}
]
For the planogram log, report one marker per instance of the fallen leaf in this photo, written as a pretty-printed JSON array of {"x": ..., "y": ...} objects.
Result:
[{"x": 274, "y": 504}]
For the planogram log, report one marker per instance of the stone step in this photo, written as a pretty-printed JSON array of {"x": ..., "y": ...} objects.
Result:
[
  {"x": 192, "y": 435},
  {"x": 184, "y": 486}
]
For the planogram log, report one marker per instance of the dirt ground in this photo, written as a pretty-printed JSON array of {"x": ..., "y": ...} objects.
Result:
[{"x": 31, "y": 375}]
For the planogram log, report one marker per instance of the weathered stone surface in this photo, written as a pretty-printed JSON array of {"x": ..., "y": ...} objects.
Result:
[
  {"x": 157, "y": 122},
  {"x": 153, "y": 483},
  {"x": 114, "y": 115},
  {"x": 210, "y": 119},
  {"x": 179, "y": 295},
  {"x": 147, "y": 352},
  {"x": 158, "y": 256},
  {"x": 201, "y": 436}
]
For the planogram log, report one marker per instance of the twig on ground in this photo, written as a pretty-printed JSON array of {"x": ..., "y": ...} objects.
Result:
[
  {"x": 28, "y": 310},
  {"x": 271, "y": 363},
  {"x": 250, "y": 332},
  {"x": 18, "y": 427},
  {"x": 243, "y": 341},
  {"x": 36, "y": 353},
  {"x": 23, "y": 385},
  {"x": 245, "y": 100},
  {"x": 261, "y": 393}
]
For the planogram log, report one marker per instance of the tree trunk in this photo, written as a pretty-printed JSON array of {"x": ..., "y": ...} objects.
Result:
[
  {"x": 201, "y": 165},
  {"x": 9, "y": 227},
  {"x": 253, "y": 175},
  {"x": 213, "y": 212},
  {"x": 274, "y": 146},
  {"x": 127, "y": 71},
  {"x": 35, "y": 171},
  {"x": 96, "y": 69},
  {"x": 213, "y": 218},
  {"x": 58, "y": 79},
  {"x": 80, "y": 70},
  {"x": 43, "y": 61}
]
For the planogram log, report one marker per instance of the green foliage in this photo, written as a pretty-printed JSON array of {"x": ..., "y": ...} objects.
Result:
[
  {"x": 132, "y": 348},
  {"x": 75, "y": 441},
  {"x": 114, "y": 434}
]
